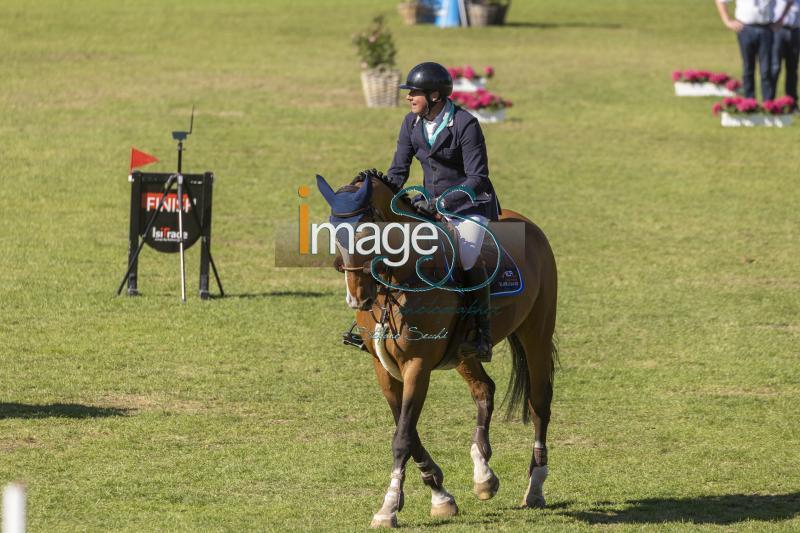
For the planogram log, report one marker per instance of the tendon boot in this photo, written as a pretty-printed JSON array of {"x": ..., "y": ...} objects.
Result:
[{"x": 481, "y": 344}]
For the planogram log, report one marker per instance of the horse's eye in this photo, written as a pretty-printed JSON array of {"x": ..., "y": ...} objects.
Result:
[{"x": 338, "y": 264}]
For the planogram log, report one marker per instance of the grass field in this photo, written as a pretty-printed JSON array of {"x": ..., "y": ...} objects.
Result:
[{"x": 676, "y": 404}]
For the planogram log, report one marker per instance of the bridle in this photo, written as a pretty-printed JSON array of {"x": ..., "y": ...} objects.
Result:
[{"x": 372, "y": 214}]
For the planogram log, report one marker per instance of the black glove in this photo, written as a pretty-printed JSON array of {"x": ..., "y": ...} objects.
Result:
[
  {"x": 395, "y": 181},
  {"x": 375, "y": 173},
  {"x": 423, "y": 206}
]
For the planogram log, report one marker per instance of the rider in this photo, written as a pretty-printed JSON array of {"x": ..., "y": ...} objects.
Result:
[{"x": 449, "y": 144}]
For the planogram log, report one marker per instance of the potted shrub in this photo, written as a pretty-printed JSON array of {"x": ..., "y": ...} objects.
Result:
[
  {"x": 487, "y": 107},
  {"x": 704, "y": 83},
  {"x": 379, "y": 79},
  {"x": 487, "y": 12},
  {"x": 415, "y": 12},
  {"x": 738, "y": 112},
  {"x": 466, "y": 79}
]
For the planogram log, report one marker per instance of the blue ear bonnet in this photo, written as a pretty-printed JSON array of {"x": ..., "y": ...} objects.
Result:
[{"x": 347, "y": 206}]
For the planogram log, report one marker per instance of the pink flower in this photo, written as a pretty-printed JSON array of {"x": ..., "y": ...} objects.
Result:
[
  {"x": 677, "y": 75},
  {"x": 469, "y": 73},
  {"x": 718, "y": 79},
  {"x": 452, "y": 72},
  {"x": 716, "y": 108},
  {"x": 488, "y": 72},
  {"x": 747, "y": 105},
  {"x": 733, "y": 85}
]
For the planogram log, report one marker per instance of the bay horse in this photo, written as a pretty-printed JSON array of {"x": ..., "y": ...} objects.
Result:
[{"x": 403, "y": 362}]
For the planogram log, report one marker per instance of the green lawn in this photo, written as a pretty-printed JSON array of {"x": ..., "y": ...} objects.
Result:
[{"x": 677, "y": 241}]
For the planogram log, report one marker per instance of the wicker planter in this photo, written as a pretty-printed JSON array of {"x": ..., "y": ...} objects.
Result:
[
  {"x": 755, "y": 119},
  {"x": 415, "y": 13},
  {"x": 487, "y": 14},
  {"x": 381, "y": 87}
]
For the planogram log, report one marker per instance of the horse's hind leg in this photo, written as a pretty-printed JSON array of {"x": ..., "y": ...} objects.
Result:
[
  {"x": 482, "y": 388},
  {"x": 443, "y": 504},
  {"x": 534, "y": 338}
]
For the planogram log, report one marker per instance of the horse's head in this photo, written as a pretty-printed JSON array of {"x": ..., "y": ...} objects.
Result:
[{"x": 366, "y": 199}]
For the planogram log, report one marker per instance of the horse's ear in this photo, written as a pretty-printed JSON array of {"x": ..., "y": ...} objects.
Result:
[
  {"x": 326, "y": 190},
  {"x": 363, "y": 194}
]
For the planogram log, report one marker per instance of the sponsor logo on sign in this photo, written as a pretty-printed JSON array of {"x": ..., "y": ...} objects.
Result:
[{"x": 167, "y": 234}]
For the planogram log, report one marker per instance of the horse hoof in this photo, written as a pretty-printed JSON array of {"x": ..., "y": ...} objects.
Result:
[
  {"x": 444, "y": 510},
  {"x": 383, "y": 521},
  {"x": 534, "y": 502},
  {"x": 486, "y": 490}
]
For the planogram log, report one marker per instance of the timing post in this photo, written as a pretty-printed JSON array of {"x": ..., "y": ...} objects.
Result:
[
  {"x": 162, "y": 217},
  {"x": 133, "y": 238}
]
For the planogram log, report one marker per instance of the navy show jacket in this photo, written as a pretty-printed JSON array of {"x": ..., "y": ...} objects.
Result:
[{"x": 457, "y": 157}]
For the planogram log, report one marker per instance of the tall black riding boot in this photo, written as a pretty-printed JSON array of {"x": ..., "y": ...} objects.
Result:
[{"x": 482, "y": 344}]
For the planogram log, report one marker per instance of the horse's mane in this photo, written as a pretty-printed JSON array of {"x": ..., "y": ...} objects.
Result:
[{"x": 378, "y": 175}]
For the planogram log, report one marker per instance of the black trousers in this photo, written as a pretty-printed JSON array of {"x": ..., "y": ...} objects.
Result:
[
  {"x": 755, "y": 43},
  {"x": 786, "y": 49}
]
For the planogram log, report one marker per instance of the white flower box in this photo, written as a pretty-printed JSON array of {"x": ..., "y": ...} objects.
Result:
[
  {"x": 755, "y": 119},
  {"x": 463, "y": 85},
  {"x": 488, "y": 116},
  {"x": 684, "y": 88}
]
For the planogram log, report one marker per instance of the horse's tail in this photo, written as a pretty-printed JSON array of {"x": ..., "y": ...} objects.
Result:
[
  {"x": 519, "y": 383},
  {"x": 533, "y": 346}
]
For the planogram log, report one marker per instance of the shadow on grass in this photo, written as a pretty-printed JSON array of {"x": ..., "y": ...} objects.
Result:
[
  {"x": 492, "y": 517},
  {"x": 725, "y": 509},
  {"x": 275, "y": 294},
  {"x": 58, "y": 410},
  {"x": 556, "y": 26}
]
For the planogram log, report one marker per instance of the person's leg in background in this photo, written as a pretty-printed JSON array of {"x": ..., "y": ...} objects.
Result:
[
  {"x": 792, "y": 57},
  {"x": 780, "y": 44},
  {"x": 748, "y": 48},
  {"x": 764, "y": 41}
]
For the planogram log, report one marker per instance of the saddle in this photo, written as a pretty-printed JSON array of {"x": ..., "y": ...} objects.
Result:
[{"x": 508, "y": 280}]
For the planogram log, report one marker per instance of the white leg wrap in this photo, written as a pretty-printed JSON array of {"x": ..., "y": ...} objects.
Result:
[
  {"x": 440, "y": 497},
  {"x": 481, "y": 472},
  {"x": 392, "y": 502},
  {"x": 536, "y": 484}
]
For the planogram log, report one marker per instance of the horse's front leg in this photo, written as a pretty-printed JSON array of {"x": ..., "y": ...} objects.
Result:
[
  {"x": 482, "y": 388},
  {"x": 416, "y": 376}
]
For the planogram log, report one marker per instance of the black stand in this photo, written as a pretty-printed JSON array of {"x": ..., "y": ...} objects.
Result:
[{"x": 137, "y": 240}]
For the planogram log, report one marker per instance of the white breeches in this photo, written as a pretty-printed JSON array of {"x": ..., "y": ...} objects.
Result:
[{"x": 470, "y": 238}]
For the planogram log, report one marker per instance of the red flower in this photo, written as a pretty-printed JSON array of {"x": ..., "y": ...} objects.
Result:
[
  {"x": 488, "y": 72},
  {"x": 716, "y": 108},
  {"x": 677, "y": 75},
  {"x": 469, "y": 73}
]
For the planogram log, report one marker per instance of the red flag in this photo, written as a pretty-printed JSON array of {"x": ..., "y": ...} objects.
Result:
[{"x": 140, "y": 159}]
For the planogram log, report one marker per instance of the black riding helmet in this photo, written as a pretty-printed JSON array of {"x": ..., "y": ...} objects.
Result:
[{"x": 429, "y": 77}]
